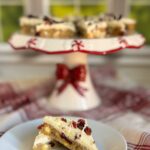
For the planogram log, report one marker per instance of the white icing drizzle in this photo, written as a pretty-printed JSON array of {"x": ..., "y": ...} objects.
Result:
[
  {"x": 63, "y": 26},
  {"x": 116, "y": 23},
  {"x": 128, "y": 21},
  {"x": 89, "y": 25},
  {"x": 30, "y": 21}
]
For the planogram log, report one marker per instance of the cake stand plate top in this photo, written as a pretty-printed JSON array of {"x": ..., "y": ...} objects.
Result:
[{"x": 92, "y": 46}]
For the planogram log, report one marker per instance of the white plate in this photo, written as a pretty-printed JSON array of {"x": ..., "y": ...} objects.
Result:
[{"x": 22, "y": 136}]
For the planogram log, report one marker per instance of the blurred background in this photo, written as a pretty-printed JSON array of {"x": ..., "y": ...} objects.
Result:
[{"x": 132, "y": 65}]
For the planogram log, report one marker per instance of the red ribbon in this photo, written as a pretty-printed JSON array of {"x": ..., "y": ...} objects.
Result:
[
  {"x": 32, "y": 41},
  {"x": 71, "y": 76},
  {"x": 123, "y": 41},
  {"x": 77, "y": 44}
]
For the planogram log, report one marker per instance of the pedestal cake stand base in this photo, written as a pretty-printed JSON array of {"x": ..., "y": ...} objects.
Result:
[{"x": 71, "y": 98}]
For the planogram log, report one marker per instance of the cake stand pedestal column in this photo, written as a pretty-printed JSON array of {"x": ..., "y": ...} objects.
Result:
[{"x": 70, "y": 99}]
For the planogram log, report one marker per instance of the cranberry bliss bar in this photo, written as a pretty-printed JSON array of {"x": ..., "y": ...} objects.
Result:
[
  {"x": 74, "y": 135},
  {"x": 53, "y": 28},
  {"x": 28, "y": 24}
]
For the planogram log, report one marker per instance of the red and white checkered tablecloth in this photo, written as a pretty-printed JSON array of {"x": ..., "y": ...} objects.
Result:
[{"x": 126, "y": 108}]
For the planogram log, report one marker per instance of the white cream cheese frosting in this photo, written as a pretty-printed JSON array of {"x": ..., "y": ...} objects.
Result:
[
  {"x": 128, "y": 21},
  {"x": 62, "y": 26},
  {"x": 116, "y": 23},
  {"x": 89, "y": 25},
  {"x": 30, "y": 21}
]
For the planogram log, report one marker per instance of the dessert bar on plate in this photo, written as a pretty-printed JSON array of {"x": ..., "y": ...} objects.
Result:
[
  {"x": 106, "y": 25},
  {"x": 92, "y": 28},
  {"x": 63, "y": 133},
  {"x": 130, "y": 25},
  {"x": 118, "y": 25},
  {"x": 55, "y": 28},
  {"x": 28, "y": 24}
]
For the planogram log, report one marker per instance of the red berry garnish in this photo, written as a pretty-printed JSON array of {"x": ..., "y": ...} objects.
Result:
[
  {"x": 81, "y": 121},
  {"x": 81, "y": 124},
  {"x": 63, "y": 119},
  {"x": 52, "y": 144},
  {"x": 40, "y": 126},
  {"x": 37, "y": 34},
  {"x": 77, "y": 137},
  {"x": 74, "y": 124},
  {"x": 88, "y": 131}
]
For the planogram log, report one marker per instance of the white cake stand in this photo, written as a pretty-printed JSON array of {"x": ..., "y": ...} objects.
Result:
[{"x": 74, "y": 90}]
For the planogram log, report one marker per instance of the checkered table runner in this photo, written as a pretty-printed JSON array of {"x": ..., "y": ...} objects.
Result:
[{"x": 124, "y": 107}]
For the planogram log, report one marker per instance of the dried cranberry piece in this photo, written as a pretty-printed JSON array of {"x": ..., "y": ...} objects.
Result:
[
  {"x": 81, "y": 124},
  {"x": 77, "y": 137},
  {"x": 74, "y": 124},
  {"x": 52, "y": 144},
  {"x": 46, "y": 18},
  {"x": 63, "y": 119},
  {"x": 88, "y": 131},
  {"x": 90, "y": 23},
  {"x": 31, "y": 16},
  {"x": 119, "y": 17},
  {"x": 37, "y": 34},
  {"x": 40, "y": 126}
]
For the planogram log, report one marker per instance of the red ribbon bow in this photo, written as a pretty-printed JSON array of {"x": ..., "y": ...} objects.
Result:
[
  {"x": 71, "y": 76},
  {"x": 77, "y": 44},
  {"x": 32, "y": 41},
  {"x": 123, "y": 41}
]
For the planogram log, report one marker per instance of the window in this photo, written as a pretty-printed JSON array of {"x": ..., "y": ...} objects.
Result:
[
  {"x": 62, "y": 8},
  {"x": 140, "y": 10},
  {"x": 10, "y": 11}
]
